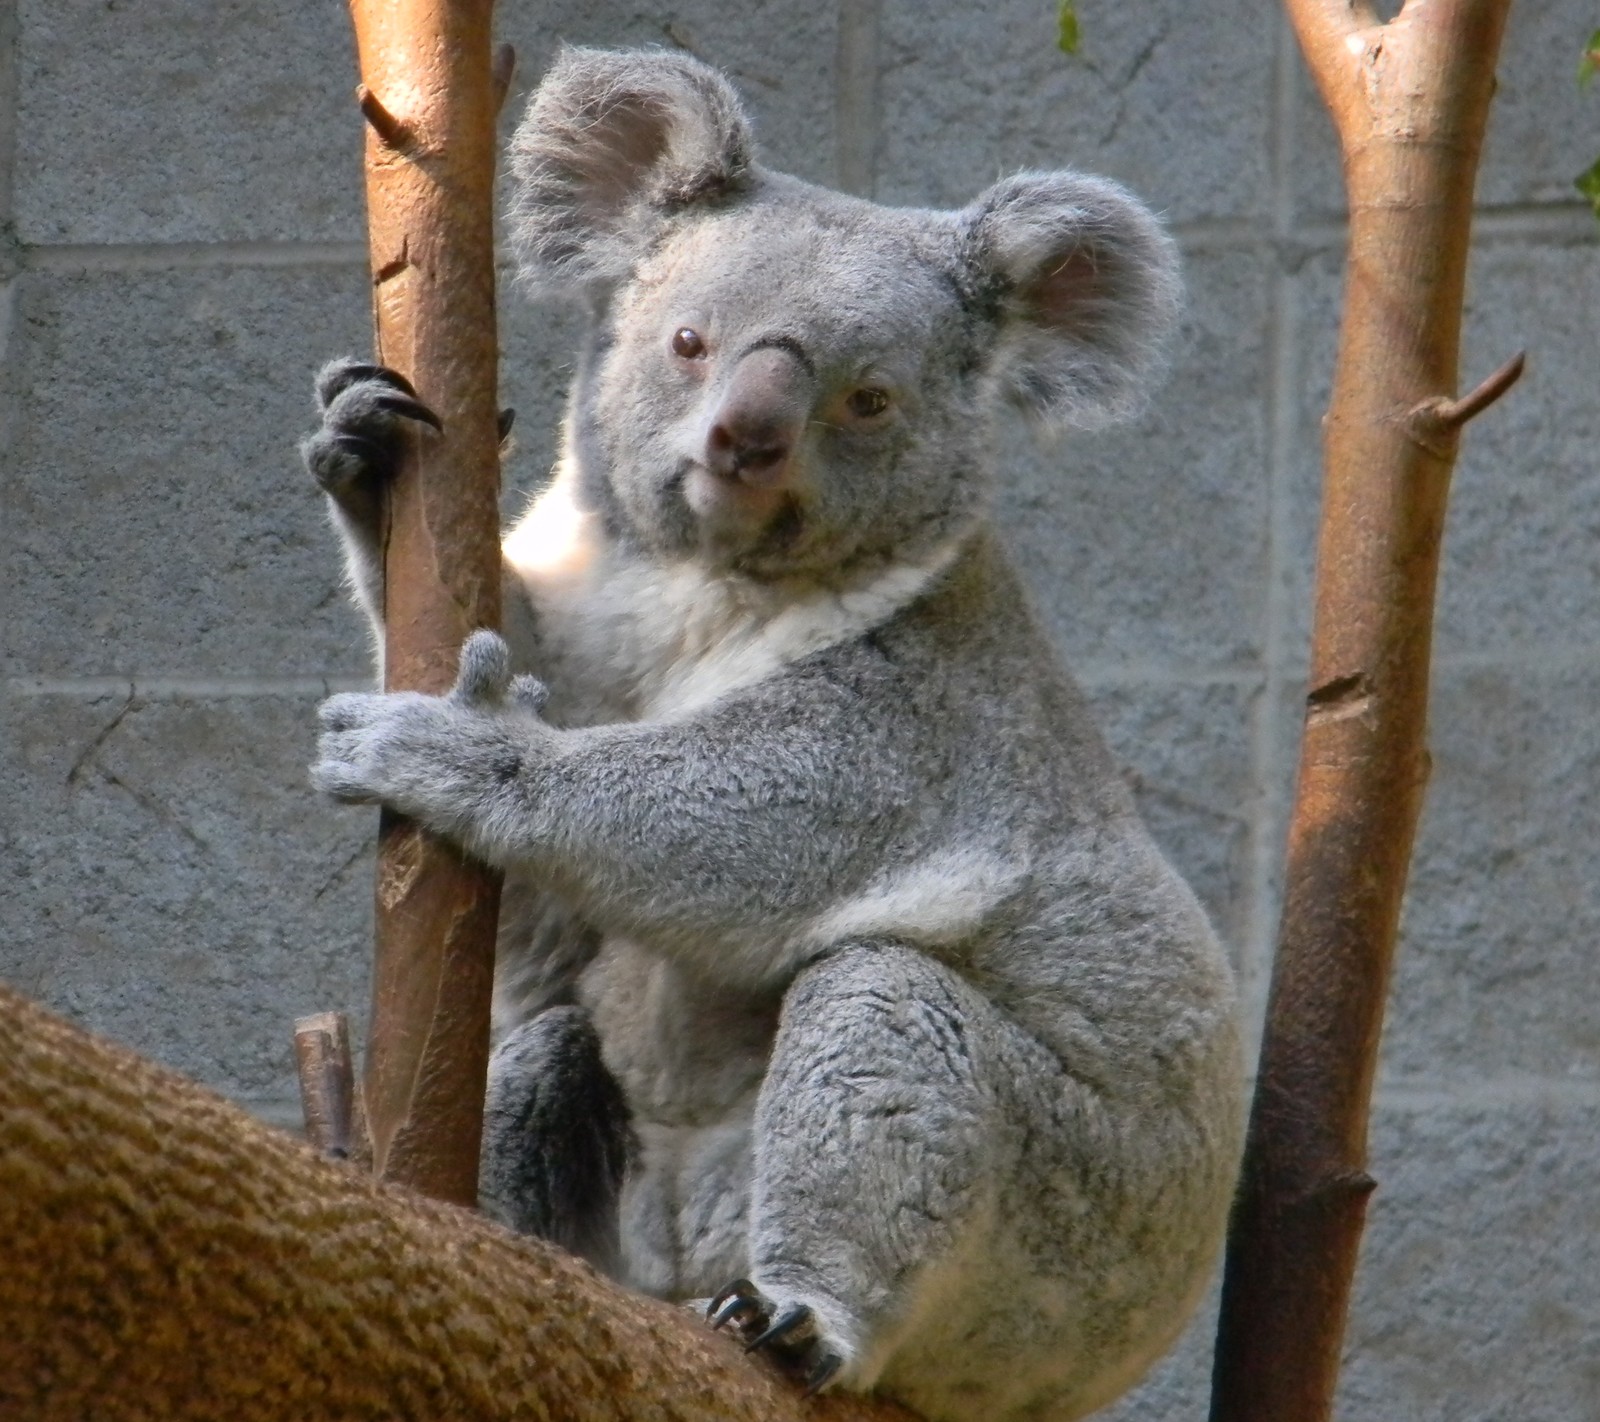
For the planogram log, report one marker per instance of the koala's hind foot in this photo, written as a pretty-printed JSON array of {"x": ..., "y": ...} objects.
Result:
[
  {"x": 557, "y": 1136},
  {"x": 788, "y": 1335}
]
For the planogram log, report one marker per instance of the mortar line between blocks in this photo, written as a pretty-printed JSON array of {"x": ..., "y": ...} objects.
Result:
[
  {"x": 1092, "y": 676},
  {"x": 284, "y": 1112},
  {"x": 856, "y": 112},
  {"x": 1562, "y": 222},
  {"x": 1512, "y": 656},
  {"x": 1161, "y": 674},
  {"x": 1428, "y": 1094},
  {"x": 173, "y": 687},
  {"x": 171, "y": 256},
  {"x": 8, "y": 317},
  {"x": 1495, "y": 1092}
]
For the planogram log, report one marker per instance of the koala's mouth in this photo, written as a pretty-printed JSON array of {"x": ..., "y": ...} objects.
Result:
[{"x": 745, "y": 528}]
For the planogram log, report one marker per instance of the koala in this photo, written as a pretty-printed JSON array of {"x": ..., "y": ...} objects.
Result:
[{"x": 841, "y": 989}]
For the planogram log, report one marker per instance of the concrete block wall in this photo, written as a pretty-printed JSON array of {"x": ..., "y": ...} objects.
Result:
[{"x": 183, "y": 245}]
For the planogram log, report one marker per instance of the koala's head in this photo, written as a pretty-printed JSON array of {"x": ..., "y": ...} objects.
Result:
[{"x": 791, "y": 382}]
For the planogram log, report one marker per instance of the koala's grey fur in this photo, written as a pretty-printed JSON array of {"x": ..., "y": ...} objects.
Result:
[{"x": 914, "y": 1026}]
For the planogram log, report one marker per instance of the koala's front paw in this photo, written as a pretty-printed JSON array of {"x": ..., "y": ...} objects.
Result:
[
  {"x": 376, "y": 747},
  {"x": 362, "y": 408},
  {"x": 438, "y": 758},
  {"x": 791, "y": 1334}
]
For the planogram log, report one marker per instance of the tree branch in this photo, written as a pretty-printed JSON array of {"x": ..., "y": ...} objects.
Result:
[
  {"x": 430, "y": 180},
  {"x": 391, "y": 132},
  {"x": 1410, "y": 100},
  {"x": 164, "y": 1255},
  {"x": 1453, "y": 414},
  {"x": 1330, "y": 34},
  {"x": 335, "y": 1122}
]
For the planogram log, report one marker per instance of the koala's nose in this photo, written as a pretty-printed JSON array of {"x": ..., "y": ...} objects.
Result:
[{"x": 760, "y": 419}]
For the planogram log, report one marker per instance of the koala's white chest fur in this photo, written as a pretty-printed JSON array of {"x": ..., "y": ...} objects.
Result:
[{"x": 627, "y": 638}]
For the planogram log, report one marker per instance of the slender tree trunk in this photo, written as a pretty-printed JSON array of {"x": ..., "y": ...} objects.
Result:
[
  {"x": 430, "y": 98},
  {"x": 163, "y": 1255},
  {"x": 1410, "y": 99}
]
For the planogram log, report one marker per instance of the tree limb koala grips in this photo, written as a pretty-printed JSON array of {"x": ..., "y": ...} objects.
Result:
[{"x": 430, "y": 85}]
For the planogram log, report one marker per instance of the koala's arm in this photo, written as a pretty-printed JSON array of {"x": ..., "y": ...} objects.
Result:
[{"x": 723, "y": 834}]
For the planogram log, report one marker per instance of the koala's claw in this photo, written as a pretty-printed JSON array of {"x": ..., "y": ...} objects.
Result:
[
  {"x": 358, "y": 441},
  {"x": 821, "y": 1375},
  {"x": 739, "y": 1297},
  {"x": 790, "y": 1338},
  {"x": 781, "y": 1328},
  {"x": 410, "y": 408}
]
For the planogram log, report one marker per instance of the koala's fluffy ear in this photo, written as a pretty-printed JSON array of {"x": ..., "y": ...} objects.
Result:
[
  {"x": 613, "y": 142},
  {"x": 1087, "y": 288}
]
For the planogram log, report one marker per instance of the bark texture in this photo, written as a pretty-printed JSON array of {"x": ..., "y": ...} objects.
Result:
[
  {"x": 336, "y": 1121},
  {"x": 1410, "y": 100},
  {"x": 429, "y": 95},
  {"x": 165, "y": 1256}
]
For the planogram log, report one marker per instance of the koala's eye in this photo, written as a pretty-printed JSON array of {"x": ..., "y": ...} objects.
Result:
[
  {"x": 867, "y": 402},
  {"x": 687, "y": 343}
]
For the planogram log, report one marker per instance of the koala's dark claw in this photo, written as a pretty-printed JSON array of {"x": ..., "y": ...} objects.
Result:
[
  {"x": 358, "y": 446},
  {"x": 791, "y": 1339},
  {"x": 508, "y": 417},
  {"x": 780, "y": 1328},
  {"x": 357, "y": 454},
  {"x": 410, "y": 408},
  {"x": 729, "y": 1312},
  {"x": 821, "y": 1375},
  {"x": 739, "y": 1297}
]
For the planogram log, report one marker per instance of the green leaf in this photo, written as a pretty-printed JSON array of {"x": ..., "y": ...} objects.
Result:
[
  {"x": 1589, "y": 185},
  {"x": 1067, "y": 27},
  {"x": 1589, "y": 65}
]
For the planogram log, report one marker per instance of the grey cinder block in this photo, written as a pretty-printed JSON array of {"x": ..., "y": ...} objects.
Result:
[
  {"x": 1149, "y": 545},
  {"x": 1186, "y": 749},
  {"x": 157, "y": 517},
  {"x": 1497, "y": 962},
  {"x": 171, "y": 122},
  {"x": 970, "y": 93},
  {"x": 173, "y": 882},
  {"x": 780, "y": 55},
  {"x": 1475, "y": 1297}
]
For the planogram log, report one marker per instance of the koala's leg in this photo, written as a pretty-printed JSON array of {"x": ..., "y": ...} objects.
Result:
[
  {"x": 556, "y": 1136},
  {"x": 882, "y": 1139}
]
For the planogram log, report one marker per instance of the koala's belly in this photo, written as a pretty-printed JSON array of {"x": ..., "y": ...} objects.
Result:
[
  {"x": 690, "y": 1057},
  {"x": 686, "y": 1051}
]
